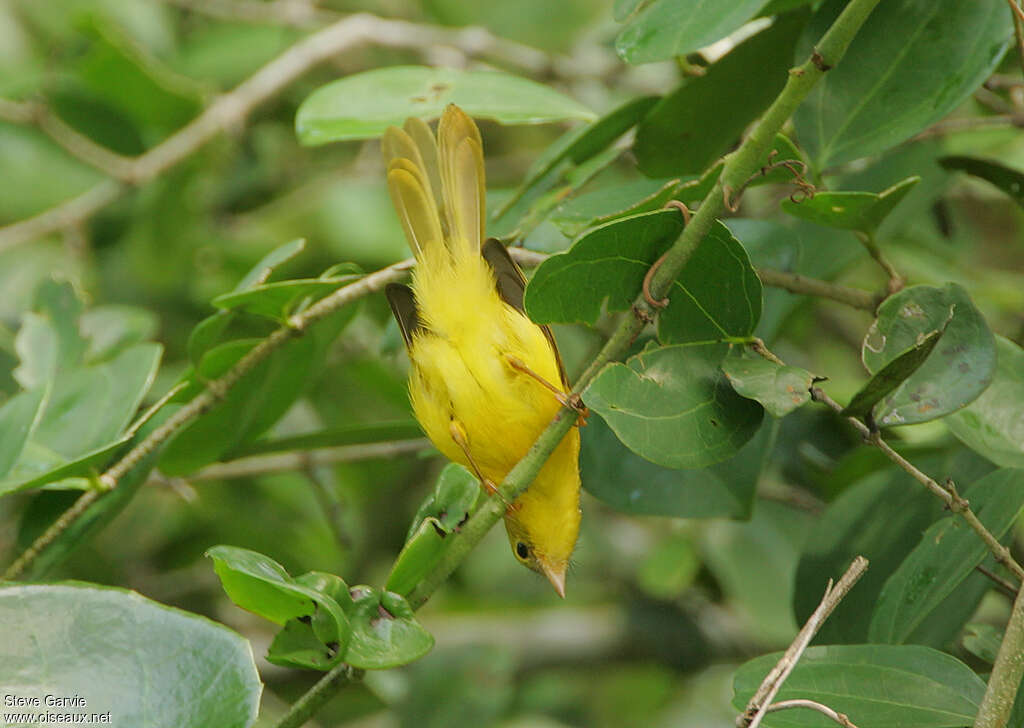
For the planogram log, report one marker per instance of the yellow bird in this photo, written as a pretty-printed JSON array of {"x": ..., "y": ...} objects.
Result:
[{"x": 485, "y": 380}]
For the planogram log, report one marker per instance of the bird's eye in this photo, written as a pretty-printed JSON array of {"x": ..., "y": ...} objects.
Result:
[{"x": 522, "y": 550}]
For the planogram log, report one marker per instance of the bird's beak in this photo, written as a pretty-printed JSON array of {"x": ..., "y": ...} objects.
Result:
[{"x": 556, "y": 576}]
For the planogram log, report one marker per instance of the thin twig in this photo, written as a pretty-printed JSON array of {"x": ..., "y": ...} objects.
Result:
[
  {"x": 291, "y": 461},
  {"x": 796, "y": 283},
  {"x": 762, "y": 698},
  {"x": 971, "y": 123},
  {"x": 1018, "y": 29},
  {"x": 231, "y": 110},
  {"x": 895, "y": 279},
  {"x": 214, "y": 392},
  {"x": 1001, "y": 584},
  {"x": 73, "y": 141},
  {"x": 948, "y": 494},
  {"x": 324, "y": 689},
  {"x": 839, "y": 718}
]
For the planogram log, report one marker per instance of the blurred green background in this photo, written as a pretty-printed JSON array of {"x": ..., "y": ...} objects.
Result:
[{"x": 660, "y": 610}]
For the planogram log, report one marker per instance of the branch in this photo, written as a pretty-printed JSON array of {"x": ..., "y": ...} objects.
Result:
[
  {"x": 949, "y": 496},
  {"x": 215, "y": 391},
  {"x": 470, "y": 41},
  {"x": 796, "y": 283},
  {"x": 741, "y": 164},
  {"x": 895, "y": 279},
  {"x": 288, "y": 462},
  {"x": 1003, "y": 683},
  {"x": 314, "y": 698},
  {"x": 839, "y": 718},
  {"x": 1018, "y": 29},
  {"x": 970, "y": 123},
  {"x": 73, "y": 141},
  {"x": 1001, "y": 584},
  {"x": 760, "y": 702},
  {"x": 230, "y": 110},
  {"x": 200, "y": 404}
]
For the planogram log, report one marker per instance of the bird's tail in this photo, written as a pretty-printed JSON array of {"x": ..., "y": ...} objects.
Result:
[{"x": 437, "y": 185}]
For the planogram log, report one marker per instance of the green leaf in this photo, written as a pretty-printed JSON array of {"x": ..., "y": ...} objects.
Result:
[
  {"x": 38, "y": 347},
  {"x": 668, "y": 28},
  {"x": 881, "y": 517},
  {"x": 112, "y": 328},
  {"x": 898, "y": 686},
  {"x": 991, "y": 425},
  {"x": 90, "y": 407},
  {"x": 385, "y": 632},
  {"x": 1008, "y": 179},
  {"x": 54, "y": 635},
  {"x": 363, "y": 105},
  {"x": 316, "y": 628},
  {"x": 278, "y": 300},
  {"x": 210, "y": 330},
  {"x": 18, "y": 418},
  {"x": 860, "y": 211},
  {"x": 779, "y": 389},
  {"x": 448, "y": 506},
  {"x": 696, "y": 123},
  {"x": 947, "y": 554},
  {"x": 891, "y": 376},
  {"x": 147, "y": 92},
  {"x": 716, "y": 296},
  {"x": 628, "y": 483},
  {"x": 61, "y": 304},
  {"x": 573, "y": 148},
  {"x": 955, "y": 373},
  {"x": 610, "y": 260},
  {"x": 334, "y": 437},
  {"x": 674, "y": 407},
  {"x": 261, "y": 272},
  {"x": 258, "y": 400},
  {"x": 257, "y": 583},
  {"x": 610, "y": 202},
  {"x": 869, "y": 102},
  {"x": 39, "y": 466},
  {"x": 982, "y": 641}
]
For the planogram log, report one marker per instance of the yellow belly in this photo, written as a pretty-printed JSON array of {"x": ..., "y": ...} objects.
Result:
[{"x": 461, "y": 372}]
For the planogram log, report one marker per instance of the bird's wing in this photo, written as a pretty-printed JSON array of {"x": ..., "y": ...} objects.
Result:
[
  {"x": 403, "y": 306},
  {"x": 511, "y": 284}
]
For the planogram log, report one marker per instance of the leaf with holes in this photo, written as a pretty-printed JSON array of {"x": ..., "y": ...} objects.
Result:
[
  {"x": 891, "y": 376},
  {"x": 955, "y": 373}
]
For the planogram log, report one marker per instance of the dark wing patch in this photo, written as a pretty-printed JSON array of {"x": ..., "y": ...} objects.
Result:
[
  {"x": 403, "y": 306},
  {"x": 511, "y": 284},
  {"x": 510, "y": 280}
]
